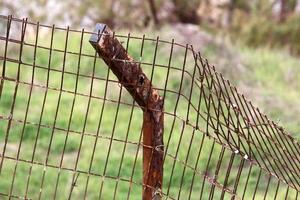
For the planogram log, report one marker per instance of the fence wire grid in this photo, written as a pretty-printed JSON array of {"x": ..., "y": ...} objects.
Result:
[{"x": 70, "y": 130}]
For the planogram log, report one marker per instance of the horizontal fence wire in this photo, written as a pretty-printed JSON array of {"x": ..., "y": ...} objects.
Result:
[{"x": 69, "y": 129}]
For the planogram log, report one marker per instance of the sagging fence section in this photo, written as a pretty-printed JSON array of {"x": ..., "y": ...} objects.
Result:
[{"x": 129, "y": 116}]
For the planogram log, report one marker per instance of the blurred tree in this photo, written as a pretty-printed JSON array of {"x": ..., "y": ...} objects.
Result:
[
  {"x": 283, "y": 10},
  {"x": 186, "y": 11},
  {"x": 231, "y": 7},
  {"x": 153, "y": 11},
  {"x": 287, "y": 7},
  {"x": 297, "y": 7},
  {"x": 222, "y": 12}
]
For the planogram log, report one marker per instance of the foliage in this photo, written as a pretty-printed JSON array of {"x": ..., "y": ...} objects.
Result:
[{"x": 261, "y": 31}]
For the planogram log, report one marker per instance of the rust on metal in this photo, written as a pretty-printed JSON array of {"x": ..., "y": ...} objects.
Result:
[{"x": 140, "y": 87}]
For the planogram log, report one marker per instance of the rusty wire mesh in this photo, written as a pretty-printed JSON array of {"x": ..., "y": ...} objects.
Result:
[{"x": 69, "y": 129}]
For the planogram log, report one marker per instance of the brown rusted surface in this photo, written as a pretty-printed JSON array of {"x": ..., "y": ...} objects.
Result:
[
  {"x": 139, "y": 86},
  {"x": 153, "y": 156}
]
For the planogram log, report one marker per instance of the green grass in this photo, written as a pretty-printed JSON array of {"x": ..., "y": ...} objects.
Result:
[
  {"x": 66, "y": 144},
  {"x": 277, "y": 76}
]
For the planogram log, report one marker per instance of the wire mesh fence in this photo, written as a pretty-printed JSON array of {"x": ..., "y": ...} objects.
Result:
[{"x": 70, "y": 129}]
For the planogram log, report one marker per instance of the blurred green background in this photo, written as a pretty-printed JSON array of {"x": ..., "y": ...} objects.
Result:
[
  {"x": 257, "y": 40},
  {"x": 255, "y": 44}
]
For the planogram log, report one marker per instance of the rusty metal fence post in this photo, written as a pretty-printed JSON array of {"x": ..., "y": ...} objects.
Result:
[{"x": 131, "y": 76}]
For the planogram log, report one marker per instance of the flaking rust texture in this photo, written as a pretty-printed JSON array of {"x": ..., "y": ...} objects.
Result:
[{"x": 131, "y": 76}]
